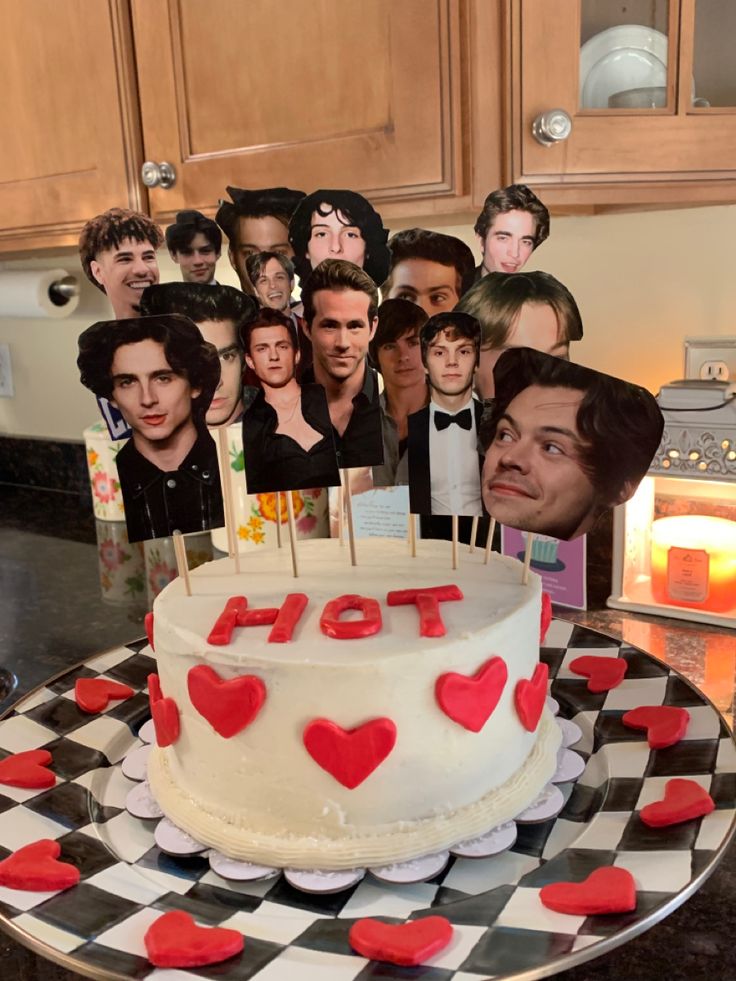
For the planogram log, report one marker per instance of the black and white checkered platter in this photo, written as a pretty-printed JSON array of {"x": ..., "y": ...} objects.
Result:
[{"x": 500, "y": 927}]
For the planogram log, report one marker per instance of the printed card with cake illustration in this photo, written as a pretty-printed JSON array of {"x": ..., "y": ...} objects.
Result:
[{"x": 563, "y": 444}]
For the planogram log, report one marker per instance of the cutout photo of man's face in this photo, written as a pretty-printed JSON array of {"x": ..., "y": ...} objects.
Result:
[
  {"x": 227, "y": 401},
  {"x": 431, "y": 285},
  {"x": 272, "y": 356},
  {"x": 125, "y": 272},
  {"x": 264, "y": 234},
  {"x": 273, "y": 286},
  {"x": 450, "y": 364},
  {"x": 333, "y": 237},
  {"x": 197, "y": 260},
  {"x": 155, "y": 401},
  {"x": 400, "y": 362},
  {"x": 532, "y": 475},
  {"x": 509, "y": 242},
  {"x": 341, "y": 332}
]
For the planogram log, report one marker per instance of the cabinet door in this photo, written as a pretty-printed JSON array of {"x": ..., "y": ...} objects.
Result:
[
  {"x": 624, "y": 73},
  {"x": 67, "y": 117},
  {"x": 363, "y": 94}
]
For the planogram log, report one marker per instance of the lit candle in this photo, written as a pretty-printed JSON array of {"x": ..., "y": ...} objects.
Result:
[{"x": 694, "y": 562}]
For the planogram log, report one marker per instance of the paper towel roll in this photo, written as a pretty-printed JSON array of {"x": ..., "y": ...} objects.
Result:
[{"x": 38, "y": 293}]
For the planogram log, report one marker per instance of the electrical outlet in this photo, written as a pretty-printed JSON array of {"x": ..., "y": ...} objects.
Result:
[
  {"x": 6, "y": 373},
  {"x": 711, "y": 358}
]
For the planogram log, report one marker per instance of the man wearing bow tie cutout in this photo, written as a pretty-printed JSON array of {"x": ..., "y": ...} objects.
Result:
[{"x": 444, "y": 463}]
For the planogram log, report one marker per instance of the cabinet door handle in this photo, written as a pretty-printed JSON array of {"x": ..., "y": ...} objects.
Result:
[
  {"x": 160, "y": 175},
  {"x": 552, "y": 127}
]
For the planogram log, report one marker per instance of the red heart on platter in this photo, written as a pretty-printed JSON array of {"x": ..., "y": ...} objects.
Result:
[
  {"x": 349, "y": 755},
  {"x": 470, "y": 701},
  {"x": 530, "y": 696},
  {"x": 545, "y": 620},
  {"x": 228, "y": 706},
  {"x": 148, "y": 622},
  {"x": 36, "y": 869},
  {"x": 665, "y": 724},
  {"x": 175, "y": 940},
  {"x": 683, "y": 801},
  {"x": 607, "y": 890},
  {"x": 407, "y": 943},
  {"x": 603, "y": 673},
  {"x": 27, "y": 769},
  {"x": 95, "y": 694}
]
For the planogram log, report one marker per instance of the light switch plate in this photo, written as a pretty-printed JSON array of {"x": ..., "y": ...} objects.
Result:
[{"x": 6, "y": 373}]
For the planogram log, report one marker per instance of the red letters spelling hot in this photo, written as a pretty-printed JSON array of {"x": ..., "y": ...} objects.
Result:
[{"x": 285, "y": 618}]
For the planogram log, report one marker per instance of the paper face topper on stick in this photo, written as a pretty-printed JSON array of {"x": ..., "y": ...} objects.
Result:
[
  {"x": 563, "y": 443},
  {"x": 444, "y": 465},
  {"x": 161, "y": 374}
]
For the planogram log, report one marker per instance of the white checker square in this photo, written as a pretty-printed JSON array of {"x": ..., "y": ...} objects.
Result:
[
  {"x": 39, "y": 697},
  {"x": 525, "y": 907},
  {"x": 276, "y": 929},
  {"x": 24, "y": 899},
  {"x": 625, "y": 759},
  {"x": 371, "y": 899},
  {"x": 596, "y": 771},
  {"x": 713, "y": 829},
  {"x": 586, "y": 721},
  {"x": 128, "y": 934},
  {"x": 18, "y": 734},
  {"x": 109, "y": 736},
  {"x": 605, "y": 830},
  {"x": 173, "y": 974},
  {"x": 653, "y": 787},
  {"x": 703, "y": 724},
  {"x": 47, "y": 934},
  {"x": 19, "y": 827},
  {"x": 662, "y": 871},
  {"x": 464, "y": 938},
  {"x": 21, "y": 794},
  {"x": 585, "y": 940},
  {"x": 110, "y": 659},
  {"x": 311, "y": 965},
  {"x": 477, "y": 875},
  {"x": 107, "y": 784},
  {"x": 573, "y": 653},
  {"x": 633, "y": 692},
  {"x": 129, "y": 883},
  {"x": 126, "y": 837},
  {"x": 559, "y": 633},
  {"x": 165, "y": 881},
  {"x": 726, "y": 757},
  {"x": 564, "y": 834}
]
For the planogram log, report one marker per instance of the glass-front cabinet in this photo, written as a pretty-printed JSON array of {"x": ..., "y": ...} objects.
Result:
[{"x": 627, "y": 100}]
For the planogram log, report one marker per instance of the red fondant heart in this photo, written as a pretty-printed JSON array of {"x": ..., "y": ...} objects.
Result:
[
  {"x": 175, "y": 940},
  {"x": 35, "y": 868},
  {"x": 148, "y": 622},
  {"x": 228, "y": 706},
  {"x": 165, "y": 713},
  {"x": 349, "y": 755},
  {"x": 603, "y": 673},
  {"x": 607, "y": 890},
  {"x": 27, "y": 769},
  {"x": 154, "y": 689},
  {"x": 407, "y": 943},
  {"x": 529, "y": 697},
  {"x": 683, "y": 801},
  {"x": 94, "y": 694},
  {"x": 665, "y": 724},
  {"x": 545, "y": 620},
  {"x": 470, "y": 701}
]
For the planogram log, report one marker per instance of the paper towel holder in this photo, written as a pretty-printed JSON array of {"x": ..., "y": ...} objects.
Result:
[{"x": 63, "y": 290}]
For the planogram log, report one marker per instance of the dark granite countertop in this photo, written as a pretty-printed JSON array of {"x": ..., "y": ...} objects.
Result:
[{"x": 52, "y": 615}]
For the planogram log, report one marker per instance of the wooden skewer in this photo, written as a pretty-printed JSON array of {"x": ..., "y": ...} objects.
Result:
[
  {"x": 473, "y": 534},
  {"x": 455, "y": 525},
  {"x": 413, "y": 535},
  {"x": 227, "y": 499},
  {"x": 292, "y": 534},
  {"x": 340, "y": 514},
  {"x": 527, "y": 558},
  {"x": 278, "y": 519},
  {"x": 349, "y": 509},
  {"x": 182, "y": 564},
  {"x": 489, "y": 541}
]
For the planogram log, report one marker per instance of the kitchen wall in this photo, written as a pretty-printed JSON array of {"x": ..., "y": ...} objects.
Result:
[{"x": 643, "y": 283}]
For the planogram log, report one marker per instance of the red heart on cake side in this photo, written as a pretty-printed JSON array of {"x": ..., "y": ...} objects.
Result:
[
  {"x": 95, "y": 694},
  {"x": 470, "y": 701},
  {"x": 665, "y": 724},
  {"x": 683, "y": 800},
  {"x": 165, "y": 713},
  {"x": 229, "y": 706},
  {"x": 545, "y": 619},
  {"x": 175, "y": 940},
  {"x": 606, "y": 890},
  {"x": 530, "y": 696},
  {"x": 603, "y": 673},
  {"x": 349, "y": 755},
  {"x": 148, "y": 623},
  {"x": 27, "y": 769},
  {"x": 407, "y": 944},
  {"x": 36, "y": 869}
]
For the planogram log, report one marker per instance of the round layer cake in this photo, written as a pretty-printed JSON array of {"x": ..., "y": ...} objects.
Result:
[{"x": 330, "y": 752}]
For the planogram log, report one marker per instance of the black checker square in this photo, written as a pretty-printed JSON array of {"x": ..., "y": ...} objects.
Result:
[
  {"x": 584, "y": 802},
  {"x": 381, "y": 971},
  {"x": 570, "y": 865},
  {"x": 531, "y": 838},
  {"x": 191, "y": 867},
  {"x": 330, "y": 936},
  {"x": 607, "y": 924},
  {"x": 66, "y": 681},
  {"x": 610, "y": 729},
  {"x": 688, "y": 757},
  {"x": 680, "y": 692},
  {"x": 66, "y": 803},
  {"x": 329, "y": 904},
  {"x": 723, "y": 790},
  {"x": 6, "y": 803},
  {"x": 585, "y": 637},
  {"x": 116, "y": 962},
  {"x": 641, "y": 665},
  {"x": 470, "y": 910},
  {"x": 507, "y": 950},
  {"x": 252, "y": 959},
  {"x": 70, "y": 759},
  {"x": 133, "y": 671},
  {"x": 88, "y": 853},
  {"x": 133, "y": 711},
  {"x": 137, "y": 645},
  {"x": 100, "y": 813},
  {"x": 701, "y": 859},
  {"x": 622, "y": 793},
  {"x": 574, "y": 697},
  {"x": 553, "y": 658},
  {"x": 639, "y": 837},
  {"x": 87, "y": 911},
  {"x": 209, "y": 904},
  {"x": 61, "y": 715}
]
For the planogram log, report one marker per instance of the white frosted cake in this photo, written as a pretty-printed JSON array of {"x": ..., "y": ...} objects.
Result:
[{"x": 338, "y": 753}]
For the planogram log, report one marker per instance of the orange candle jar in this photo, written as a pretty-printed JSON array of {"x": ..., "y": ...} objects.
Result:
[{"x": 694, "y": 562}]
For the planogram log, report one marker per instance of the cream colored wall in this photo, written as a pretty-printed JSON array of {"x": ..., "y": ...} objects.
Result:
[{"x": 643, "y": 283}]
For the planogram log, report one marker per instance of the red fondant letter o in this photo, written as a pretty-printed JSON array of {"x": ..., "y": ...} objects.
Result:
[{"x": 331, "y": 624}]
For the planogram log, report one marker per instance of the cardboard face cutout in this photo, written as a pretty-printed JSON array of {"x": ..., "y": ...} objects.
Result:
[
  {"x": 161, "y": 375},
  {"x": 431, "y": 269},
  {"x": 444, "y": 463},
  {"x": 194, "y": 243},
  {"x": 511, "y": 225},
  {"x": 563, "y": 444},
  {"x": 288, "y": 441}
]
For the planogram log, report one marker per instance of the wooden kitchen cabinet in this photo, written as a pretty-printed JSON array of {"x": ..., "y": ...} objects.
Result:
[
  {"x": 69, "y": 119},
  {"x": 683, "y": 152}
]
